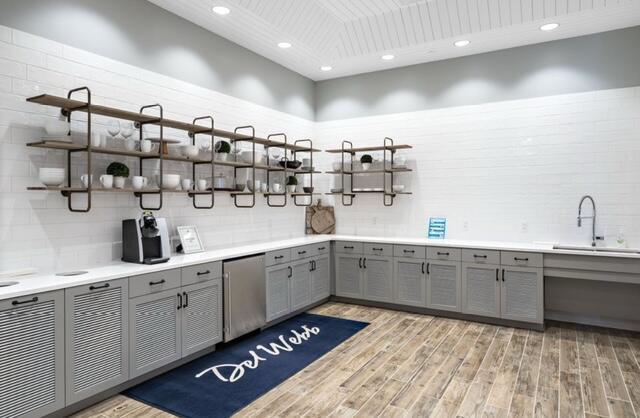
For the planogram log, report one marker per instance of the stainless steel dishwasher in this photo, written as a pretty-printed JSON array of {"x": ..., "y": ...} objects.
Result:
[{"x": 245, "y": 302}]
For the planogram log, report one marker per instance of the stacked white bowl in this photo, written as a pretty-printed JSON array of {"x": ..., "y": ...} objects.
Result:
[{"x": 51, "y": 177}]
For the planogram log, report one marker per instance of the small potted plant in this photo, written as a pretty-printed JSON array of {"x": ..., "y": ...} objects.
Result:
[
  {"x": 120, "y": 172},
  {"x": 222, "y": 149},
  {"x": 292, "y": 184},
  {"x": 366, "y": 161}
]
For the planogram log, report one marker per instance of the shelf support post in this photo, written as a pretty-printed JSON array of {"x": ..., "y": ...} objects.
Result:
[
  {"x": 158, "y": 121},
  {"x": 295, "y": 155},
  {"x": 68, "y": 113},
  {"x": 212, "y": 163},
  {"x": 250, "y": 138}
]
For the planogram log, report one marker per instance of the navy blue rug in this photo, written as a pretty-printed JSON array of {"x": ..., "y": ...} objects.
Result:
[{"x": 223, "y": 382}]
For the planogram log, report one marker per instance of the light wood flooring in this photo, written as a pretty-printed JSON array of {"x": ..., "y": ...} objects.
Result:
[{"x": 409, "y": 365}]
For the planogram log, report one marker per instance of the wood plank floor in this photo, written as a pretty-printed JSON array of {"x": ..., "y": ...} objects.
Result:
[{"x": 409, "y": 365}]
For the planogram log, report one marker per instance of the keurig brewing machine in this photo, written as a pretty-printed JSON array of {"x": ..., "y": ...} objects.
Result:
[{"x": 145, "y": 240}]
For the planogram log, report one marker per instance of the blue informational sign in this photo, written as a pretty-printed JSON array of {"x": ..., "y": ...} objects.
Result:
[{"x": 437, "y": 228}]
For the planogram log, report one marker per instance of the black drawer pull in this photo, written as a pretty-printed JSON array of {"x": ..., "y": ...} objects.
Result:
[
  {"x": 479, "y": 256},
  {"x": 158, "y": 282},
  {"x": 321, "y": 248},
  {"x": 301, "y": 252},
  {"x": 439, "y": 253},
  {"x": 520, "y": 259},
  {"x": 278, "y": 257},
  {"x": 202, "y": 273},
  {"x": 104, "y": 286},
  {"x": 18, "y": 302},
  {"x": 378, "y": 249},
  {"x": 348, "y": 247},
  {"x": 409, "y": 251}
]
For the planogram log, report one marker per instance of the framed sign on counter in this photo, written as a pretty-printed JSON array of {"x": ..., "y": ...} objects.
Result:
[{"x": 190, "y": 239}]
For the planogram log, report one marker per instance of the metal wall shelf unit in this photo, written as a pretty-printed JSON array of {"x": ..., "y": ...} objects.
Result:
[{"x": 388, "y": 170}]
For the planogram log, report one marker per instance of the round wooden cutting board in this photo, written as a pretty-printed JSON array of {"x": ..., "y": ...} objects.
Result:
[{"x": 320, "y": 219}]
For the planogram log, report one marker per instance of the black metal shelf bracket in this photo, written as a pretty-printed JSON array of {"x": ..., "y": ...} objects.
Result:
[
  {"x": 67, "y": 112},
  {"x": 212, "y": 163},
  {"x": 295, "y": 155},
  {"x": 161, "y": 154},
  {"x": 387, "y": 198},
  {"x": 250, "y": 138},
  {"x": 285, "y": 173},
  {"x": 348, "y": 173}
]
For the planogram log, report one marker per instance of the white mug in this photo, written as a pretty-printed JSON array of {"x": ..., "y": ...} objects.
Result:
[
  {"x": 277, "y": 187},
  {"x": 119, "y": 182},
  {"x": 201, "y": 185},
  {"x": 187, "y": 184},
  {"x": 130, "y": 144},
  {"x": 145, "y": 145},
  {"x": 86, "y": 179},
  {"x": 139, "y": 182},
  {"x": 106, "y": 180}
]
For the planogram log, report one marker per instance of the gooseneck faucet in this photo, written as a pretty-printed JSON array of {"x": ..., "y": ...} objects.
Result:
[{"x": 594, "y": 238}]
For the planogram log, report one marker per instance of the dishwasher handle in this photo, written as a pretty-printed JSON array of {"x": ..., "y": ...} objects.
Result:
[{"x": 226, "y": 290}]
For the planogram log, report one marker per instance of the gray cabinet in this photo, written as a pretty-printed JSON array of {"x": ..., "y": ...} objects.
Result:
[
  {"x": 321, "y": 278},
  {"x": 522, "y": 294},
  {"x": 277, "y": 291},
  {"x": 481, "y": 289},
  {"x": 300, "y": 286},
  {"x": 201, "y": 316},
  {"x": 32, "y": 355},
  {"x": 154, "y": 327},
  {"x": 378, "y": 277},
  {"x": 443, "y": 284},
  {"x": 97, "y": 339},
  {"x": 410, "y": 281},
  {"x": 349, "y": 275}
]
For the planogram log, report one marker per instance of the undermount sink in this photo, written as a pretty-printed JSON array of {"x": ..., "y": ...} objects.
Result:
[
  {"x": 7, "y": 284},
  {"x": 597, "y": 249}
]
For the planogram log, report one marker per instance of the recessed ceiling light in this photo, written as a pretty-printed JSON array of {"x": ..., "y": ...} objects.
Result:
[
  {"x": 461, "y": 43},
  {"x": 388, "y": 57},
  {"x": 549, "y": 26},
  {"x": 221, "y": 10},
  {"x": 284, "y": 45},
  {"x": 326, "y": 68}
]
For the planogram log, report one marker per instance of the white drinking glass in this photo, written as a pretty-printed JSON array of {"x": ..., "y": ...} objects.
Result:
[
  {"x": 113, "y": 127},
  {"x": 201, "y": 185},
  {"x": 187, "y": 184}
]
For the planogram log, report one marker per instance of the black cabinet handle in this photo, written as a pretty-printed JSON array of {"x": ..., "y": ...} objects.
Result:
[
  {"x": 104, "y": 286},
  {"x": 360, "y": 262},
  {"x": 409, "y": 251},
  {"x": 22, "y": 302},
  {"x": 423, "y": 267},
  {"x": 158, "y": 282},
  {"x": 378, "y": 249},
  {"x": 428, "y": 264},
  {"x": 503, "y": 275},
  {"x": 202, "y": 273},
  {"x": 348, "y": 247},
  {"x": 314, "y": 265},
  {"x": 290, "y": 272},
  {"x": 321, "y": 248},
  {"x": 301, "y": 252},
  {"x": 497, "y": 275},
  {"x": 278, "y": 257},
  {"x": 520, "y": 259},
  {"x": 310, "y": 265},
  {"x": 364, "y": 262},
  {"x": 439, "y": 253},
  {"x": 179, "y": 300},
  {"x": 479, "y": 256},
  {"x": 186, "y": 299}
]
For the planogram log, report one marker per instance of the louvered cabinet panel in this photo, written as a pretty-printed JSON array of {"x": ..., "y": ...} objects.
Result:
[
  {"x": 278, "y": 303},
  {"x": 443, "y": 285},
  {"x": 154, "y": 330},
  {"x": 97, "y": 338},
  {"x": 481, "y": 289},
  {"x": 410, "y": 282},
  {"x": 522, "y": 294},
  {"x": 349, "y": 275},
  {"x": 321, "y": 279},
  {"x": 378, "y": 278},
  {"x": 32, "y": 355},
  {"x": 300, "y": 285},
  {"x": 201, "y": 316}
]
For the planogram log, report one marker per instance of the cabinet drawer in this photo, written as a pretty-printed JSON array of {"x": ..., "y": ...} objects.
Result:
[
  {"x": 349, "y": 247},
  {"x": 481, "y": 256},
  {"x": 378, "y": 249},
  {"x": 321, "y": 248},
  {"x": 277, "y": 257},
  {"x": 513, "y": 258},
  {"x": 298, "y": 253},
  {"x": 201, "y": 273},
  {"x": 443, "y": 253},
  {"x": 411, "y": 251},
  {"x": 147, "y": 284}
]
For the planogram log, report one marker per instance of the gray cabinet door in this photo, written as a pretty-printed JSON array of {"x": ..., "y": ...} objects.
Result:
[
  {"x": 32, "y": 355},
  {"x": 522, "y": 294},
  {"x": 96, "y": 337},
  {"x": 481, "y": 289},
  {"x": 201, "y": 316},
  {"x": 378, "y": 278},
  {"x": 321, "y": 279},
  {"x": 443, "y": 285},
  {"x": 410, "y": 281},
  {"x": 278, "y": 303},
  {"x": 349, "y": 276},
  {"x": 300, "y": 284},
  {"x": 154, "y": 330}
]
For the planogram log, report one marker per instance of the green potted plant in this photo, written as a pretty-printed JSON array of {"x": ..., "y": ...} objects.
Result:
[
  {"x": 120, "y": 172},
  {"x": 292, "y": 184},
  {"x": 222, "y": 149},
  {"x": 366, "y": 161}
]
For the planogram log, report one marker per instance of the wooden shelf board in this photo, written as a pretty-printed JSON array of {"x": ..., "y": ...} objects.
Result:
[
  {"x": 340, "y": 194},
  {"x": 365, "y": 149},
  {"x": 388, "y": 170}
]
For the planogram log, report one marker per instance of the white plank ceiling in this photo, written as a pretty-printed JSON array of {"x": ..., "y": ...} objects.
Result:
[{"x": 352, "y": 35}]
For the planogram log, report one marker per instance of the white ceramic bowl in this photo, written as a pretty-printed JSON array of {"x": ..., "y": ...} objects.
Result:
[
  {"x": 170, "y": 181},
  {"x": 52, "y": 177},
  {"x": 189, "y": 151},
  {"x": 247, "y": 157},
  {"x": 397, "y": 188},
  {"x": 55, "y": 127}
]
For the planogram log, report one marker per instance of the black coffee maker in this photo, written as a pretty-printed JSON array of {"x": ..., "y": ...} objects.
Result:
[{"x": 145, "y": 240}]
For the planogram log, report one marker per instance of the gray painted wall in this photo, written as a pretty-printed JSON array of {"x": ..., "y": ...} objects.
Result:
[
  {"x": 601, "y": 61},
  {"x": 142, "y": 34}
]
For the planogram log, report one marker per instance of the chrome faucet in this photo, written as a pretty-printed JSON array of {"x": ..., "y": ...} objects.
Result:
[{"x": 594, "y": 238}]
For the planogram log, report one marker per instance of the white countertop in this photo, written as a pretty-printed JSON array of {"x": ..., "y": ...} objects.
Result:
[{"x": 46, "y": 282}]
